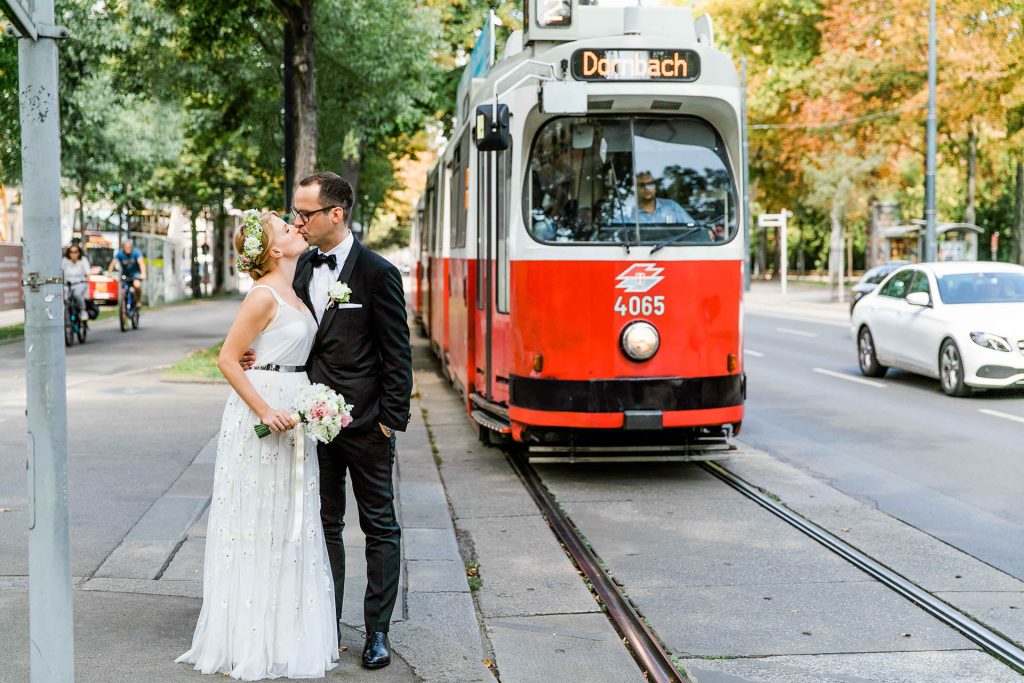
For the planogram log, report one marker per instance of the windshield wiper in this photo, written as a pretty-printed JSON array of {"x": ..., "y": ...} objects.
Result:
[
  {"x": 625, "y": 240},
  {"x": 676, "y": 238}
]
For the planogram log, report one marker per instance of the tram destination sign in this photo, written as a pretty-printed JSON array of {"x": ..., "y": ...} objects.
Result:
[{"x": 594, "y": 64}]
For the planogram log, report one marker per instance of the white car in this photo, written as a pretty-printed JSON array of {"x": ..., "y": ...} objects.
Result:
[{"x": 962, "y": 322}]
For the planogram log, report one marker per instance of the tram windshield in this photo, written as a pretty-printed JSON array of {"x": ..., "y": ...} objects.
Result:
[{"x": 630, "y": 181}]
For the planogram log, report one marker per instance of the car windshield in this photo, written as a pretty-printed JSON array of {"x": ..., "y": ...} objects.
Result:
[
  {"x": 981, "y": 288},
  {"x": 630, "y": 181}
]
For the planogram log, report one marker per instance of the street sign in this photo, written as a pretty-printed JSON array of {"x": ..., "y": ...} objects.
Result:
[
  {"x": 18, "y": 12},
  {"x": 778, "y": 220}
]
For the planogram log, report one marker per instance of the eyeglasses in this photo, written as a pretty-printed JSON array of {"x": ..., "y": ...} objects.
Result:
[
  {"x": 648, "y": 186},
  {"x": 306, "y": 215}
]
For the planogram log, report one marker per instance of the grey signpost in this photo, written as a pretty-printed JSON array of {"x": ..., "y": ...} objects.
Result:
[{"x": 49, "y": 559}]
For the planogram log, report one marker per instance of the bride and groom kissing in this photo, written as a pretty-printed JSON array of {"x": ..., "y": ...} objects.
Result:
[{"x": 272, "y": 605}]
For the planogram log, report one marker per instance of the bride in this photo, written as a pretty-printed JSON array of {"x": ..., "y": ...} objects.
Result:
[{"x": 268, "y": 604}]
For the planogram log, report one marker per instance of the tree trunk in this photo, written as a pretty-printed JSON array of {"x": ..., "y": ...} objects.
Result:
[
  {"x": 835, "y": 255},
  {"x": 299, "y": 17},
  {"x": 800, "y": 259},
  {"x": 762, "y": 251},
  {"x": 289, "y": 116},
  {"x": 351, "y": 166},
  {"x": 197, "y": 289},
  {"x": 972, "y": 158},
  {"x": 219, "y": 227},
  {"x": 1018, "y": 213},
  {"x": 5, "y": 234},
  {"x": 80, "y": 214}
]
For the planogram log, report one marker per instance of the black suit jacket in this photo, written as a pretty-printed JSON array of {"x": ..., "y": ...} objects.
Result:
[{"x": 363, "y": 351}]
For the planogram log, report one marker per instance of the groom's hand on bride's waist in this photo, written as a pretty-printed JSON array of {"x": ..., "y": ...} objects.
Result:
[{"x": 248, "y": 359}]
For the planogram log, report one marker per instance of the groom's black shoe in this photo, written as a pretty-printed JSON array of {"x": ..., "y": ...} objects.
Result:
[{"x": 377, "y": 652}]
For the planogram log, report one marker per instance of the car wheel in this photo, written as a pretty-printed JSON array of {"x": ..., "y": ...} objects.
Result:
[
  {"x": 869, "y": 365},
  {"x": 951, "y": 370}
]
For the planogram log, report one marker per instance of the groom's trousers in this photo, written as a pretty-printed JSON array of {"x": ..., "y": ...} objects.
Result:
[{"x": 367, "y": 456}]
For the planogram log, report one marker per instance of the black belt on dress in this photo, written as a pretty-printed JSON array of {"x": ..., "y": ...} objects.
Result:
[{"x": 280, "y": 368}]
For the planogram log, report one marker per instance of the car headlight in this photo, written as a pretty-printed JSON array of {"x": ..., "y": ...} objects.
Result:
[
  {"x": 991, "y": 341},
  {"x": 640, "y": 340}
]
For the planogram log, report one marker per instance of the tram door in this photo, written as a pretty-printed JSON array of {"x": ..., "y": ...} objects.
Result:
[
  {"x": 492, "y": 328},
  {"x": 484, "y": 280}
]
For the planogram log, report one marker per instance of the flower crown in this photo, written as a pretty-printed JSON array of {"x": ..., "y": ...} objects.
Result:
[{"x": 252, "y": 248}]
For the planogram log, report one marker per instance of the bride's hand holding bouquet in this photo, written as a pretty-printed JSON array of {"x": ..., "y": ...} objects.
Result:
[{"x": 319, "y": 408}]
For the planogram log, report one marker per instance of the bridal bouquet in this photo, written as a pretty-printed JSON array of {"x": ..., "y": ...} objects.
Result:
[{"x": 321, "y": 410}]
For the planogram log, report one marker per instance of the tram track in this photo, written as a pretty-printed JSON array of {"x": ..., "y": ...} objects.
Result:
[
  {"x": 650, "y": 655},
  {"x": 988, "y": 640}
]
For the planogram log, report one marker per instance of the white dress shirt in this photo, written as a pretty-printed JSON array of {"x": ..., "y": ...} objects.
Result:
[{"x": 324, "y": 276}]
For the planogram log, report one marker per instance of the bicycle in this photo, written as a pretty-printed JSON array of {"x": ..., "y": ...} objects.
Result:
[
  {"x": 76, "y": 321},
  {"x": 128, "y": 308}
]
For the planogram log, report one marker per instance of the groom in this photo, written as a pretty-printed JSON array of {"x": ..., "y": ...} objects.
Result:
[{"x": 361, "y": 350}]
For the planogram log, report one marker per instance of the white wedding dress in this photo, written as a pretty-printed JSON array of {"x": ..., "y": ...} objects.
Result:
[{"x": 268, "y": 604}]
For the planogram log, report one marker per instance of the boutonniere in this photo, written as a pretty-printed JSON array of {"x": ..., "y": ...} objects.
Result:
[{"x": 338, "y": 293}]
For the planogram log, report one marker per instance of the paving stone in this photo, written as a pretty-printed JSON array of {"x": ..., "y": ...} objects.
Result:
[
  {"x": 194, "y": 481},
  {"x": 137, "y": 560},
  {"x": 185, "y": 589},
  {"x": 187, "y": 564},
  {"x": 524, "y": 570},
  {"x": 442, "y": 638},
  {"x": 899, "y": 667},
  {"x": 437, "y": 576},
  {"x": 424, "y": 505},
  {"x": 430, "y": 544},
  {"x": 563, "y": 647},
  {"x": 168, "y": 519},
  {"x": 781, "y": 619}
]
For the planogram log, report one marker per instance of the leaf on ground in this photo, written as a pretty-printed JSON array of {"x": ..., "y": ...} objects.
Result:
[
  {"x": 846, "y": 529},
  {"x": 6, "y": 509}
]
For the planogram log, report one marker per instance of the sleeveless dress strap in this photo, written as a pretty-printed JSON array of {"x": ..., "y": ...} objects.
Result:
[{"x": 277, "y": 298}]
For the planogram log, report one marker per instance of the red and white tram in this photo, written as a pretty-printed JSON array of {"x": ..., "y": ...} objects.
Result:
[{"x": 581, "y": 252}]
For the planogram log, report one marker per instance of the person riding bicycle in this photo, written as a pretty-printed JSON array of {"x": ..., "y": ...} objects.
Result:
[
  {"x": 133, "y": 267},
  {"x": 75, "y": 268}
]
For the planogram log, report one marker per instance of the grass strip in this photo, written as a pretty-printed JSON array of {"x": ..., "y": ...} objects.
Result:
[{"x": 198, "y": 366}]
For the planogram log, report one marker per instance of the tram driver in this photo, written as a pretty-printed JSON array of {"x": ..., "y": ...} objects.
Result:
[{"x": 654, "y": 209}]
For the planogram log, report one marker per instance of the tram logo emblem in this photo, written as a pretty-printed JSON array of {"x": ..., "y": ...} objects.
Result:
[{"x": 639, "y": 277}]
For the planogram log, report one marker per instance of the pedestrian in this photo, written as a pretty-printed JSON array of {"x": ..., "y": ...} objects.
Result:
[{"x": 75, "y": 268}]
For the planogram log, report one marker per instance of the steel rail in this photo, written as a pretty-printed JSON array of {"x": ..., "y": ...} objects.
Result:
[
  {"x": 990, "y": 641},
  {"x": 652, "y": 658}
]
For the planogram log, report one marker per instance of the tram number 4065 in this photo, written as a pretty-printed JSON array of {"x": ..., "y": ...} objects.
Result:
[{"x": 640, "y": 305}]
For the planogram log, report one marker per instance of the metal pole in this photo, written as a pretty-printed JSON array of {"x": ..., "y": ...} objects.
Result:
[
  {"x": 784, "y": 256},
  {"x": 929, "y": 184},
  {"x": 746, "y": 172},
  {"x": 49, "y": 559}
]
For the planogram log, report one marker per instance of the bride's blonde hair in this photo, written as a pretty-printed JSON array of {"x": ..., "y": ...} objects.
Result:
[{"x": 253, "y": 242}]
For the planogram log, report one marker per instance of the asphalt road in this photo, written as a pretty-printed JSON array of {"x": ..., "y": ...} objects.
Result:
[{"x": 951, "y": 467}]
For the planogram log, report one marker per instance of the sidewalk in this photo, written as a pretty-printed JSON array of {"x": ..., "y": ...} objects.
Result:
[
  {"x": 137, "y": 612},
  {"x": 802, "y": 300},
  {"x": 12, "y": 317}
]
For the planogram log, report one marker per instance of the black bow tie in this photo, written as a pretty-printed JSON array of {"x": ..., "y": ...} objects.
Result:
[{"x": 320, "y": 259}]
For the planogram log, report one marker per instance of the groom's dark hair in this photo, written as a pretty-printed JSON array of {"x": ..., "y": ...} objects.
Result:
[{"x": 334, "y": 191}]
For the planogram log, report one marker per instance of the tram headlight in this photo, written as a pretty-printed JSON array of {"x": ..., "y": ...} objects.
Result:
[{"x": 640, "y": 340}]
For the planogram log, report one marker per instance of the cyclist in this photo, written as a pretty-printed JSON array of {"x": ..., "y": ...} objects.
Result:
[
  {"x": 75, "y": 267},
  {"x": 133, "y": 268}
]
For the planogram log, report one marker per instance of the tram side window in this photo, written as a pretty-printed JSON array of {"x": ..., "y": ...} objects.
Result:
[
  {"x": 482, "y": 224},
  {"x": 630, "y": 181}
]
